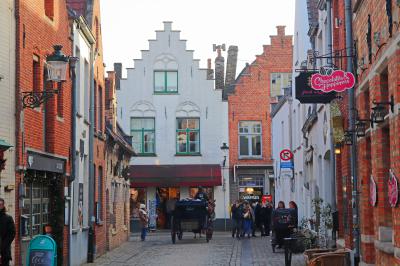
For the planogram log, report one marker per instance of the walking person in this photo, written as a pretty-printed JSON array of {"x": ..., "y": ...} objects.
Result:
[
  {"x": 7, "y": 234},
  {"x": 254, "y": 208},
  {"x": 237, "y": 217},
  {"x": 144, "y": 221},
  {"x": 293, "y": 205},
  {"x": 265, "y": 218},
  {"x": 248, "y": 217}
]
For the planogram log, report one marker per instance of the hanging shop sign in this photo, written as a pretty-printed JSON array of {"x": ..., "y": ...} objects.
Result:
[
  {"x": 306, "y": 94},
  {"x": 332, "y": 80},
  {"x": 372, "y": 191},
  {"x": 393, "y": 189}
]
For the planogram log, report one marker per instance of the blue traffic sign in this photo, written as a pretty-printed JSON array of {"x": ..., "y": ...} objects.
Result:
[{"x": 287, "y": 165}]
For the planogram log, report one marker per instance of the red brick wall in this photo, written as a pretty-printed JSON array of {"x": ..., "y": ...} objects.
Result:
[
  {"x": 251, "y": 99},
  {"x": 99, "y": 142},
  {"x": 36, "y": 35},
  {"x": 380, "y": 150}
]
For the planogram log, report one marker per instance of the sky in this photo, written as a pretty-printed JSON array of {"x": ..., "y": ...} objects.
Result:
[{"x": 127, "y": 25}]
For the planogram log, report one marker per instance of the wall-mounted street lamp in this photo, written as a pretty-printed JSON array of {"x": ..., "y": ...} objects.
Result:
[
  {"x": 379, "y": 110},
  {"x": 56, "y": 64},
  {"x": 224, "y": 148},
  {"x": 338, "y": 149}
]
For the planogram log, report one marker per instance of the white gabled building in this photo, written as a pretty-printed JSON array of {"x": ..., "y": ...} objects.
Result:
[{"x": 178, "y": 123}]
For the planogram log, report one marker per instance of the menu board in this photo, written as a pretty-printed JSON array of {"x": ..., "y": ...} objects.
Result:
[{"x": 41, "y": 257}]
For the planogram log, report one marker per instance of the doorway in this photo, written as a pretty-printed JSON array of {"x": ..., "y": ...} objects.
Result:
[{"x": 166, "y": 198}]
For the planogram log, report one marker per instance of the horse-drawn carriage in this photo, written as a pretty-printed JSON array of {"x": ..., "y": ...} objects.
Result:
[
  {"x": 192, "y": 216},
  {"x": 283, "y": 223}
]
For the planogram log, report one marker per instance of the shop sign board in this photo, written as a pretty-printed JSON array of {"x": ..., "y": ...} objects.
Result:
[
  {"x": 152, "y": 214},
  {"x": 306, "y": 94},
  {"x": 42, "y": 251},
  {"x": 333, "y": 80},
  {"x": 393, "y": 188},
  {"x": 266, "y": 198},
  {"x": 286, "y": 165}
]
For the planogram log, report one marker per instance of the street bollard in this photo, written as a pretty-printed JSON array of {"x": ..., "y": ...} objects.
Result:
[{"x": 288, "y": 242}]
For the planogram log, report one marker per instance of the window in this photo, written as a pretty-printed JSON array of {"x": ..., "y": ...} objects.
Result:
[
  {"x": 249, "y": 139},
  {"x": 95, "y": 102},
  {"x": 188, "y": 136},
  {"x": 36, "y": 74},
  {"x": 99, "y": 216},
  {"x": 166, "y": 81},
  {"x": 49, "y": 8},
  {"x": 279, "y": 81},
  {"x": 208, "y": 190},
  {"x": 100, "y": 110},
  {"x": 143, "y": 135}
]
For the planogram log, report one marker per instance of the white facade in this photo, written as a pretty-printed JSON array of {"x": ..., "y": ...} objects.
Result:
[
  {"x": 7, "y": 100},
  {"x": 80, "y": 186},
  {"x": 196, "y": 98},
  {"x": 312, "y": 163}
]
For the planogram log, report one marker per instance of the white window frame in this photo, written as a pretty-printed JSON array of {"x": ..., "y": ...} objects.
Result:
[{"x": 250, "y": 155}]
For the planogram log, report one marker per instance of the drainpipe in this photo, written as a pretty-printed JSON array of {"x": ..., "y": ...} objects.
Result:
[
  {"x": 353, "y": 162},
  {"x": 91, "y": 244}
]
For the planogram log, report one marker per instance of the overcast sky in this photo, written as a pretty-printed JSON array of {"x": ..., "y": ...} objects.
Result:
[{"x": 127, "y": 25}]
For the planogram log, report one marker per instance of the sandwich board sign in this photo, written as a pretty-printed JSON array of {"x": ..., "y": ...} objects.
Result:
[{"x": 42, "y": 251}]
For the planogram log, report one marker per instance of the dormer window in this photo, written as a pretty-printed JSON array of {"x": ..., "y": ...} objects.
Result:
[{"x": 165, "y": 81}]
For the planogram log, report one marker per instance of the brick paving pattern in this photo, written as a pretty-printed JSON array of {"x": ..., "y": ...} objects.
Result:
[{"x": 221, "y": 250}]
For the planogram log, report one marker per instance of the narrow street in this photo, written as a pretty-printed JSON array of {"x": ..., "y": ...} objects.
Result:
[{"x": 221, "y": 250}]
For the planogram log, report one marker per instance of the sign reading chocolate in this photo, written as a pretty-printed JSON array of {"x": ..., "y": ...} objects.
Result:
[{"x": 336, "y": 80}]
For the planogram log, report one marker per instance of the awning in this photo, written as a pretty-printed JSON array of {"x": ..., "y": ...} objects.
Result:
[{"x": 175, "y": 175}]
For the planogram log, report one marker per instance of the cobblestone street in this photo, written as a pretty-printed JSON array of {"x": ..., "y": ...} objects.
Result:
[{"x": 221, "y": 250}]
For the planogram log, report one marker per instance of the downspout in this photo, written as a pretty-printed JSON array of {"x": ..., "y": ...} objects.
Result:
[
  {"x": 90, "y": 257},
  {"x": 353, "y": 156}
]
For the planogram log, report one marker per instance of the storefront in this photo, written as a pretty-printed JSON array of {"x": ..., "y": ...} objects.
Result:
[
  {"x": 251, "y": 187},
  {"x": 43, "y": 199},
  {"x": 159, "y": 186}
]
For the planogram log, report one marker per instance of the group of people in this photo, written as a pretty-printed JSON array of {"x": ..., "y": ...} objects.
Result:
[{"x": 248, "y": 217}]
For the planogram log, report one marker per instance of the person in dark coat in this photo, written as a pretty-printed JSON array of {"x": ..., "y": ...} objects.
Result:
[
  {"x": 257, "y": 223},
  {"x": 281, "y": 233},
  {"x": 7, "y": 234},
  {"x": 265, "y": 218},
  {"x": 237, "y": 219},
  {"x": 293, "y": 205}
]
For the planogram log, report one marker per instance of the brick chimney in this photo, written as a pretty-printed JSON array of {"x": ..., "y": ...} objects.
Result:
[
  {"x": 118, "y": 74},
  {"x": 219, "y": 67},
  {"x": 231, "y": 65},
  {"x": 281, "y": 30}
]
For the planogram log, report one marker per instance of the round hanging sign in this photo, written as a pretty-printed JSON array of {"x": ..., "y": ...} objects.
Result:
[
  {"x": 393, "y": 189},
  {"x": 372, "y": 191}
]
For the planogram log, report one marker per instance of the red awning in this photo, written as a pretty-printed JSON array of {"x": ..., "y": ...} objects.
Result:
[{"x": 175, "y": 175}]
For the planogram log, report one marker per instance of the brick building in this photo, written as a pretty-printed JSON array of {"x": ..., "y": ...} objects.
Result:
[
  {"x": 377, "y": 39},
  {"x": 43, "y": 141},
  {"x": 118, "y": 154},
  {"x": 250, "y": 121}
]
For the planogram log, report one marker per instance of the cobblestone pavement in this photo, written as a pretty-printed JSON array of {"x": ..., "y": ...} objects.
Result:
[{"x": 221, "y": 250}]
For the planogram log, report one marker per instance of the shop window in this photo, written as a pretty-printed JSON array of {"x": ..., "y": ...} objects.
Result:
[
  {"x": 165, "y": 81},
  {"x": 208, "y": 190},
  {"x": 249, "y": 139},
  {"x": 251, "y": 188},
  {"x": 188, "y": 136},
  {"x": 36, "y": 74},
  {"x": 137, "y": 196},
  {"x": 143, "y": 135}
]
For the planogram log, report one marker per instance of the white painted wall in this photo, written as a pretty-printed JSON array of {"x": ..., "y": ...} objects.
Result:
[
  {"x": 196, "y": 98},
  {"x": 7, "y": 98},
  {"x": 79, "y": 237}
]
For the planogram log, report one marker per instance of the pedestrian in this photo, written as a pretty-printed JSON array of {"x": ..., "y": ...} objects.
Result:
[
  {"x": 247, "y": 220},
  {"x": 201, "y": 195},
  {"x": 255, "y": 209},
  {"x": 7, "y": 234},
  {"x": 293, "y": 205},
  {"x": 281, "y": 232},
  {"x": 237, "y": 218},
  {"x": 265, "y": 218},
  {"x": 144, "y": 221}
]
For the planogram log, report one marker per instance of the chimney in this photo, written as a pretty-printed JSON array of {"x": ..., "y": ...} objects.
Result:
[
  {"x": 219, "y": 67},
  {"x": 210, "y": 71},
  {"x": 281, "y": 30},
  {"x": 118, "y": 74},
  {"x": 231, "y": 65}
]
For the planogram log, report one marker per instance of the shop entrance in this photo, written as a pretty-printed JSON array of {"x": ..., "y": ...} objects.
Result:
[
  {"x": 251, "y": 187},
  {"x": 166, "y": 198}
]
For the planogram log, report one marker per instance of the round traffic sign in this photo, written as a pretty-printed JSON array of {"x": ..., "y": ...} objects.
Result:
[{"x": 286, "y": 155}]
